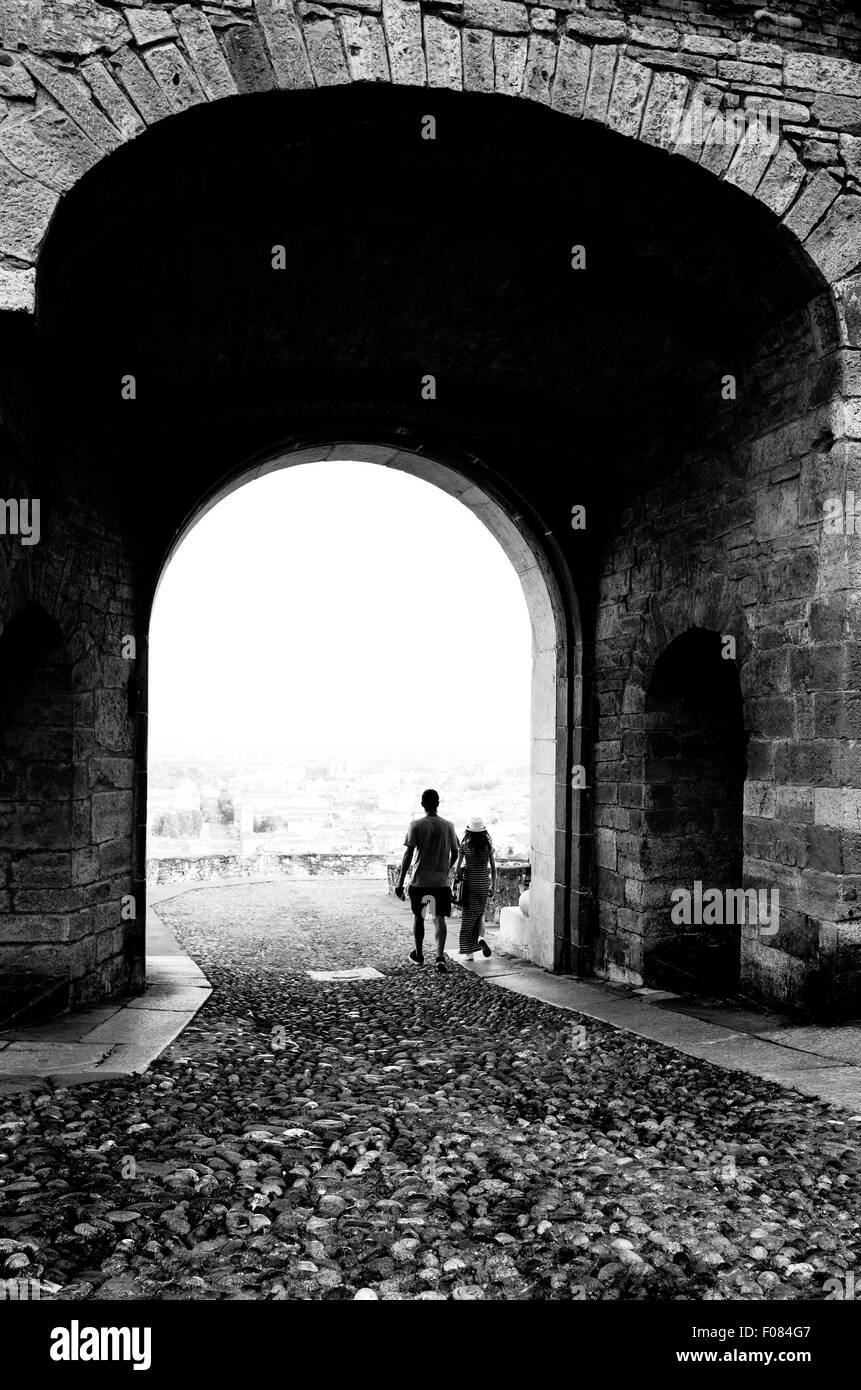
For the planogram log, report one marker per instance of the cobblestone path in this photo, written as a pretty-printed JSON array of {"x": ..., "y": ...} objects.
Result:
[{"x": 413, "y": 1137}]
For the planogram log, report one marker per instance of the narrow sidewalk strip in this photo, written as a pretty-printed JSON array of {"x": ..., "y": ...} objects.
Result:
[{"x": 116, "y": 1039}]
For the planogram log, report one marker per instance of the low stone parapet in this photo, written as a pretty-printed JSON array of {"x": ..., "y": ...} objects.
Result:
[{"x": 212, "y": 867}]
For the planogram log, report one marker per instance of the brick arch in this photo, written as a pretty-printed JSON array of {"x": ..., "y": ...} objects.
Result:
[{"x": 636, "y": 77}]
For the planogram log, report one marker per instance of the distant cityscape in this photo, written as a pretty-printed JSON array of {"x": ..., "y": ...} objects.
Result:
[{"x": 229, "y": 804}]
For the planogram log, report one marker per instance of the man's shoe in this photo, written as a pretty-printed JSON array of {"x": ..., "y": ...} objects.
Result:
[
  {"x": 485, "y": 949},
  {"x": 416, "y": 958},
  {"x": 440, "y": 966}
]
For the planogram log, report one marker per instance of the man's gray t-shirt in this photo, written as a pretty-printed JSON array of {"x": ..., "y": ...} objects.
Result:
[{"x": 436, "y": 842}]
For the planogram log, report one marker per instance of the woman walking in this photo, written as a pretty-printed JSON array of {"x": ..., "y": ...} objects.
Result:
[{"x": 477, "y": 865}]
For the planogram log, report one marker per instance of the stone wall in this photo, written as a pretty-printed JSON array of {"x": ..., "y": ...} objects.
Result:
[
  {"x": 67, "y": 755},
  {"x": 736, "y": 544},
  {"x": 212, "y": 867}
]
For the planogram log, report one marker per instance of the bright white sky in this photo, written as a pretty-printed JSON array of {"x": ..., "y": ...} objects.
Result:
[{"x": 340, "y": 610}]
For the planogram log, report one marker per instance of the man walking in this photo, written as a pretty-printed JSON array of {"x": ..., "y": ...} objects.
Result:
[{"x": 436, "y": 844}]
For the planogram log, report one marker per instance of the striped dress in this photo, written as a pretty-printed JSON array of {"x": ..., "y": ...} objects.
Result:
[{"x": 476, "y": 886}]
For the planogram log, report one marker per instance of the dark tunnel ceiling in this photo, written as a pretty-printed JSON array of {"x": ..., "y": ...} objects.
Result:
[{"x": 404, "y": 257}]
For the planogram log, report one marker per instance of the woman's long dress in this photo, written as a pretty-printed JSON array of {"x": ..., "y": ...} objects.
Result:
[{"x": 476, "y": 886}]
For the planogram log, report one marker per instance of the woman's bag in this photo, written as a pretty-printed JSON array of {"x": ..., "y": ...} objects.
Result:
[{"x": 457, "y": 891}]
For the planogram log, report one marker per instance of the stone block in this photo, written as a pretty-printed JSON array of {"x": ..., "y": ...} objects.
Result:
[
  {"x": 113, "y": 726},
  {"x": 111, "y": 815},
  {"x": 85, "y": 864},
  {"x": 540, "y": 66},
  {"x": 15, "y": 80},
  {"x": 781, "y": 180},
  {"x": 744, "y": 73},
  {"x": 82, "y": 957},
  {"x": 364, "y": 42},
  {"x": 442, "y": 47},
  {"x": 655, "y": 36},
  {"x": 509, "y": 57},
  {"x": 176, "y": 79},
  {"x": 25, "y": 211},
  {"x": 149, "y": 26},
  {"x": 24, "y": 929},
  {"x": 751, "y": 159},
  {"x": 17, "y": 287},
  {"x": 825, "y": 849},
  {"x": 835, "y": 245},
  {"x": 628, "y": 97},
  {"x": 838, "y": 806},
  {"x": 759, "y": 799},
  {"x": 282, "y": 32},
  {"x": 605, "y": 849},
  {"x": 49, "y": 147},
  {"x": 794, "y": 803},
  {"x": 777, "y": 510},
  {"x": 543, "y": 21},
  {"x": 571, "y": 78},
  {"x": 815, "y": 199},
  {"x": 600, "y": 83},
  {"x": 712, "y": 47},
  {"x": 248, "y": 60},
  {"x": 477, "y": 47},
  {"x": 664, "y": 109},
  {"x": 838, "y": 76},
  {"x": 115, "y": 856},
  {"x": 837, "y": 714},
  {"x": 326, "y": 53},
  {"x": 141, "y": 87},
  {"x": 47, "y": 902},
  {"x": 501, "y": 16},
  {"x": 50, "y": 959},
  {"x": 837, "y": 112},
  {"x": 78, "y": 27},
  {"x": 201, "y": 45},
  {"x": 604, "y": 30},
  {"x": 402, "y": 22}
]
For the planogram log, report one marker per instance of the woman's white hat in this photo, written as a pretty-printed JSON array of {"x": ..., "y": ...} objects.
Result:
[{"x": 477, "y": 824}]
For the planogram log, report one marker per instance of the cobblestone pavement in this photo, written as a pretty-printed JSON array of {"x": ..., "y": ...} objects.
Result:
[{"x": 413, "y": 1137}]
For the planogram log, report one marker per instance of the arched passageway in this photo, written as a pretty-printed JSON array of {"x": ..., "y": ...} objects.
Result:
[
  {"x": 553, "y": 616},
  {"x": 240, "y": 284},
  {"x": 695, "y": 761}
]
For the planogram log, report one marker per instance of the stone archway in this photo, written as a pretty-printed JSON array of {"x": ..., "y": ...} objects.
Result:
[
  {"x": 604, "y": 390},
  {"x": 647, "y": 80},
  {"x": 556, "y": 726}
]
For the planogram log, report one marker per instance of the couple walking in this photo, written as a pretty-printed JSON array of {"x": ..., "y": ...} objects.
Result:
[{"x": 439, "y": 854}]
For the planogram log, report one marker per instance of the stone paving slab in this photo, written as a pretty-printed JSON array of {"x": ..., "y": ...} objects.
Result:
[
  {"x": 836, "y": 1085},
  {"x": 42, "y": 1058},
  {"x": 362, "y": 972},
  {"x": 843, "y": 1043},
  {"x": 72, "y": 1027},
  {"x": 108, "y": 1041},
  {"x": 768, "y": 1060}
]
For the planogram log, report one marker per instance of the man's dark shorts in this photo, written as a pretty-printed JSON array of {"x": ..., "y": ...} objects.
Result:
[{"x": 440, "y": 907}]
